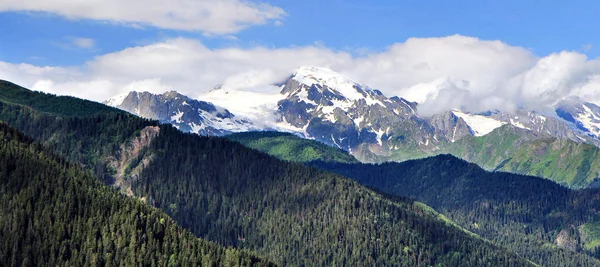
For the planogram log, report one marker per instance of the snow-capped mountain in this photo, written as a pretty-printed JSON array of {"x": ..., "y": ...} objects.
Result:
[
  {"x": 330, "y": 108},
  {"x": 541, "y": 125},
  {"x": 321, "y": 104},
  {"x": 188, "y": 115}
]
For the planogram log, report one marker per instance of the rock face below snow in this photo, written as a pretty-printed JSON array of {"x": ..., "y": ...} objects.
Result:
[
  {"x": 188, "y": 115},
  {"x": 451, "y": 126}
]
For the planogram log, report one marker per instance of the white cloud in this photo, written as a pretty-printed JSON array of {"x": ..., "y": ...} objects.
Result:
[
  {"x": 208, "y": 16},
  {"x": 441, "y": 73},
  {"x": 85, "y": 43}
]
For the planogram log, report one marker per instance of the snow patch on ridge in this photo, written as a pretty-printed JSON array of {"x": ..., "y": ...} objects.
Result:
[
  {"x": 116, "y": 100},
  {"x": 590, "y": 121},
  {"x": 480, "y": 125},
  {"x": 177, "y": 117}
]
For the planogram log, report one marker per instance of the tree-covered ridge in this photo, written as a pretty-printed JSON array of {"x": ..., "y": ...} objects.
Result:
[
  {"x": 289, "y": 147},
  {"x": 87, "y": 140},
  {"x": 522, "y": 213},
  {"x": 59, "y": 105},
  {"x": 53, "y": 213},
  {"x": 296, "y": 215}
]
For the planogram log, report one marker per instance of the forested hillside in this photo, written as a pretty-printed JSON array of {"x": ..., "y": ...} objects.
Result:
[
  {"x": 528, "y": 215},
  {"x": 289, "y": 213},
  {"x": 297, "y": 215},
  {"x": 53, "y": 213}
]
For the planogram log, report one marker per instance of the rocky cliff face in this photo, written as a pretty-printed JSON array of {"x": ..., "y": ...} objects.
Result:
[
  {"x": 450, "y": 126},
  {"x": 130, "y": 160},
  {"x": 568, "y": 239}
]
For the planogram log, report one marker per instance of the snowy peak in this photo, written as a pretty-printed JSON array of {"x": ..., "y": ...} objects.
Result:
[
  {"x": 324, "y": 77},
  {"x": 324, "y": 81},
  {"x": 336, "y": 110},
  {"x": 186, "y": 114},
  {"x": 584, "y": 116}
]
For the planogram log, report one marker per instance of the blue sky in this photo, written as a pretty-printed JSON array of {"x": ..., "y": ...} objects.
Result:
[
  {"x": 351, "y": 25},
  {"x": 483, "y": 54}
]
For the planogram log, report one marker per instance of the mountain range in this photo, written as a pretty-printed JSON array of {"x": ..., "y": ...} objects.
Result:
[
  {"x": 212, "y": 188},
  {"x": 320, "y": 104},
  {"x": 283, "y": 212}
]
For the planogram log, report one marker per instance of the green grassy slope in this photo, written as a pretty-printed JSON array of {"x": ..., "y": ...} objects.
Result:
[
  {"x": 571, "y": 164},
  {"x": 289, "y": 147}
]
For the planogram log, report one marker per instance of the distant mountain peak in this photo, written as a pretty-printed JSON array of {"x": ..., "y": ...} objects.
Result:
[
  {"x": 187, "y": 114},
  {"x": 325, "y": 77}
]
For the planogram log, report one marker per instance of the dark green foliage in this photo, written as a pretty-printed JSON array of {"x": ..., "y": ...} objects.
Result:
[
  {"x": 296, "y": 215},
  {"x": 289, "y": 147},
  {"x": 59, "y": 105},
  {"x": 54, "y": 214},
  {"x": 522, "y": 213},
  {"x": 86, "y": 140}
]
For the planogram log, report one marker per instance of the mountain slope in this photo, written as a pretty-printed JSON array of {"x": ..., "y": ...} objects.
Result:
[
  {"x": 286, "y": 212},
  {"x": 528, "y": 215},
  {"x": 290, "y": 147},
  {"x": 54, "y": 214}
]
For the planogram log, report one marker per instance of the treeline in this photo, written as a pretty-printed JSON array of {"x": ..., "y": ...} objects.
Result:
[{"x": 53, "y": 213}]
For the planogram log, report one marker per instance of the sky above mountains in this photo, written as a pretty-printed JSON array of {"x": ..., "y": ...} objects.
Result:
[{"x": 474, "y": 55}]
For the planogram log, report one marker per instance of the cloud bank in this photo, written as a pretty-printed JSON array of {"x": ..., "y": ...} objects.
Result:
[
  {"x": 208, "y": 16},
  {"x": 441, "y": 73}
]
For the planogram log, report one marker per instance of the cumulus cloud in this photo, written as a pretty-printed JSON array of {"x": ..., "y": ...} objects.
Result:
[
  {"x": 208, "y": 16},
  {"x": 440, "y": 73}
]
